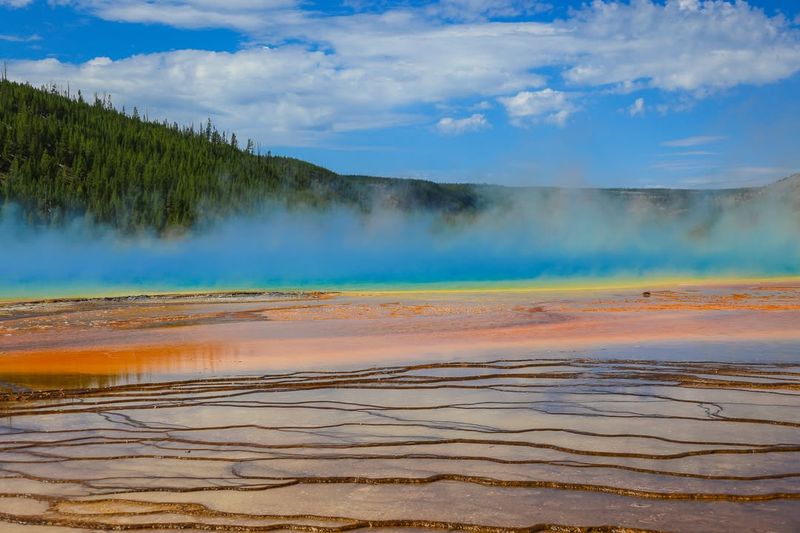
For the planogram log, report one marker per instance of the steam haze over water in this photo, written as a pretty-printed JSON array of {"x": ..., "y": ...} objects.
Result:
[{"x": 569, "y": 236}]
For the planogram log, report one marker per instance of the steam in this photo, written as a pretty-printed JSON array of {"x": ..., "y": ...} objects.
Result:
[{"x": 545, "y": 237}]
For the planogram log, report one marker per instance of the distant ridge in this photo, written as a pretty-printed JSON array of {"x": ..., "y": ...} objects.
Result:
[{"x": 790, "y": 183}]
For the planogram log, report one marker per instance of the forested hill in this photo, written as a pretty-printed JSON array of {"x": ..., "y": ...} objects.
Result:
[{"x": 61, "y": 155}]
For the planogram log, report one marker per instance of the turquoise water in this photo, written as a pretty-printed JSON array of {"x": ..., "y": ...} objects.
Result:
[{"x": 340, "y": 249}]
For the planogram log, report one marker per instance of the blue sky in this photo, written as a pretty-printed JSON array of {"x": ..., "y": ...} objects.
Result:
[{"x": 680, "y": 93}]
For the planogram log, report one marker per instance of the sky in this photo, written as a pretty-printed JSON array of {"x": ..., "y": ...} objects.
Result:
[{"x": 681, "y": 93}]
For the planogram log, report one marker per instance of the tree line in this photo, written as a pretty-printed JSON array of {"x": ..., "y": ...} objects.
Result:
[{"x": 62, "y": 155}]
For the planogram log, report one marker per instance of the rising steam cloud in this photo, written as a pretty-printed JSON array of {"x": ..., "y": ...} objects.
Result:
[{"x": 562, "y": 235}]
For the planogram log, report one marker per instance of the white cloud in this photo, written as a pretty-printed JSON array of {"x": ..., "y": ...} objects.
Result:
[
  {"x": 257, "y": 14},
  {"x": 19, "y": 38},
  {"x": 679, "y": 45},
  {"x": 472, "y": 10},
  {"x": 637, "y": 108},
  {"x": 738, "y": 176},
  {"x": 482, "y": 106},
  {"x": 288, "y": 95},
  {"x": 245, "y": 15},
  {"x": 547, "y": 105},
  {"x": 380, "y": 68},
  {"x": 15, "y": 3},
  {"x": 682, "y": 166},
  {"x": 456, "y": 126},
  {"x": 692, "y": 46},
  {"x": 697, "y": 140}
]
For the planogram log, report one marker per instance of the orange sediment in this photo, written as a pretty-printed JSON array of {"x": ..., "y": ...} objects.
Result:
[{"x": 245, "y": 335}]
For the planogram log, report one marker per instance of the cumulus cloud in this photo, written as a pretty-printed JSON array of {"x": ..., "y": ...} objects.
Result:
[
  {"x": 682, "y": 45},
  {"x": 456, "y": 126},
  {"x": 697, "y": 140},
  {"x": 371, "y": 69},
  {"x": 637, "y": 108},
  {"x": 286, "y": 95},
  {"x": 547, "y": 105},
  {"x": 677, "y": 45},
  {"x": 246, "y": 15},
  {"x": 257, "y": 14}
]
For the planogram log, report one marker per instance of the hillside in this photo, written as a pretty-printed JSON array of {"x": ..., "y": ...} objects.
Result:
[
  {"x": 61, "y": 155},
  {"x": 787, "y": 188}
]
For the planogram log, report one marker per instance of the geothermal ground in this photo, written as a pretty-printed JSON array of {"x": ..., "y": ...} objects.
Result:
[{"x": 484, "y": 411}]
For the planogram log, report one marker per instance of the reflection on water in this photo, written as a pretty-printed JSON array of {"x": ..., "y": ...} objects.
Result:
[
  {"x": 22, "y": 381},
  {"x": 103, "y": 368},
  {"x": 129, "y": 366},
  {"x": 492, "y": 445}
]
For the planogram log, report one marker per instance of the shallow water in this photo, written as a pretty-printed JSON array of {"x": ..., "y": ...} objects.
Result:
[
  {"x": 505, "y": 443},
  {"x": 528, "y": 430}
]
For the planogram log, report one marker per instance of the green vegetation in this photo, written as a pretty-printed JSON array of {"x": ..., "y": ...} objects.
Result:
[{"x": 61, "y": 156}]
